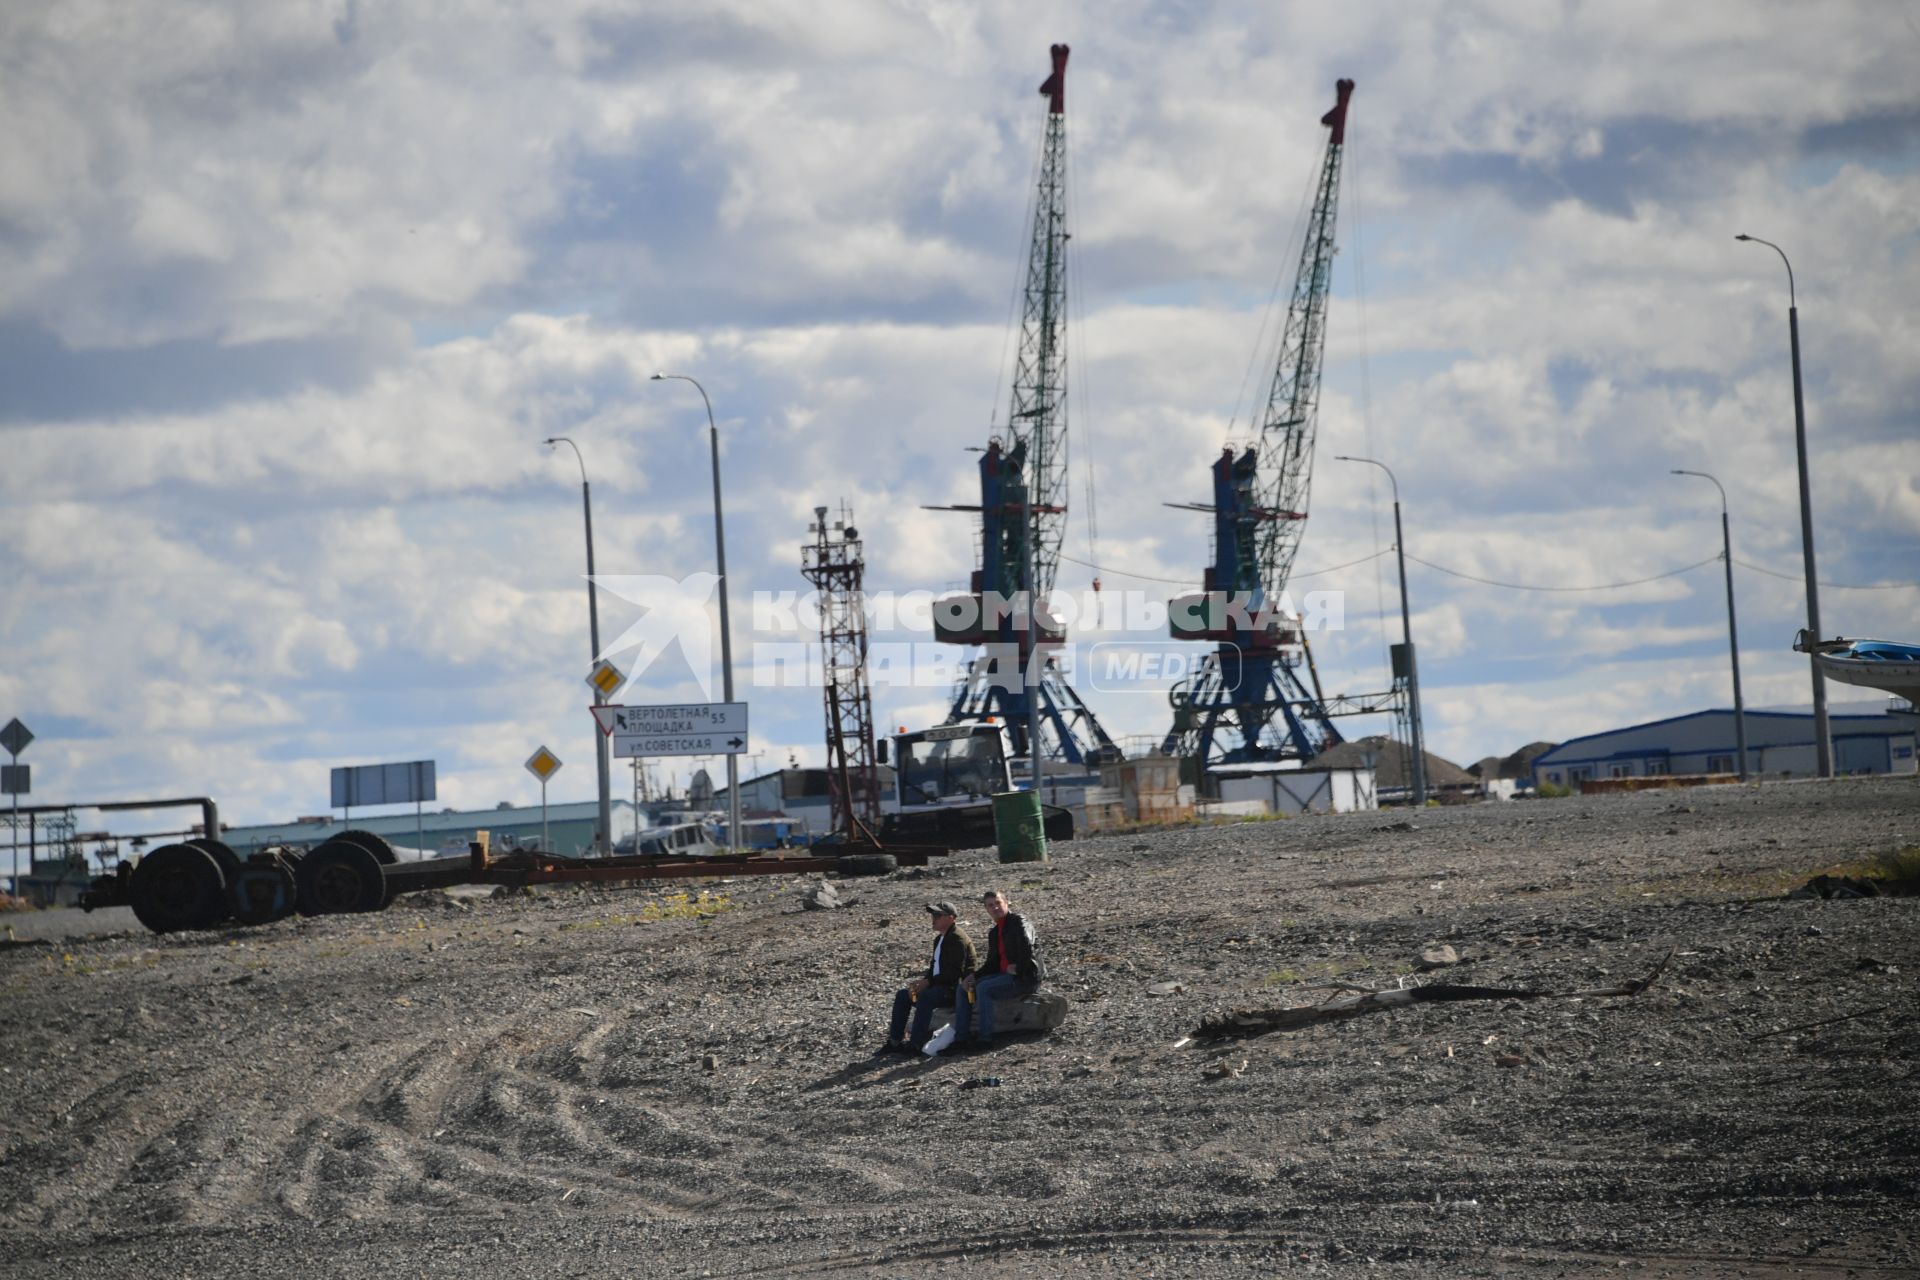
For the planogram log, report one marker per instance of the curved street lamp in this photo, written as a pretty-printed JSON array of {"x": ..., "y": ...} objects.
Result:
[
  {"x": 1822, "y": 736},
  {"x": 593, "y": 624},
  {"x": 1733, "y": 633},
  {"x": 726, "y": 632},
  {"x": 1406, "y": 637}
]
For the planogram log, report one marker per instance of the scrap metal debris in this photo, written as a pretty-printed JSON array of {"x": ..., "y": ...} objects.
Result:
[
  {"x": 1808, "y": 1026},
  {"x": 1239, "y": 1024}
]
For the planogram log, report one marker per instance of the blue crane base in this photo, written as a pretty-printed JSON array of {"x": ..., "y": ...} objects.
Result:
[
  {"x": 1242, "y": 707},
  {"x": 1069, "y": 731}
]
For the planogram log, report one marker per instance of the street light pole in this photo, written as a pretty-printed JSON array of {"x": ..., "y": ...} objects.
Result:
[
  {"x": 1822, "y": 734},
  {"x": 1733, "y": 632},
  {"x": 1031, "y": 675},
  {"x": 1406, "y": 637},
  {"x": 593, "y": 624},
  {"x": 726, "y": 632}
]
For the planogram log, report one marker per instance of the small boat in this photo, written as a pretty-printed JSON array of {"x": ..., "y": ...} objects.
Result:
[
  {"x": 1875, "y": 664},
  {"x": 683, "y": 840}
]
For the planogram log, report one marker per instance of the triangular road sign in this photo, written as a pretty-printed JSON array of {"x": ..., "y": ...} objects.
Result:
[{"x": 604, "y": 713}]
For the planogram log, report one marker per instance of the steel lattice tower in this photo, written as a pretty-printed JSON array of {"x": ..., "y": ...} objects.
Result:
[
  {"x": 1247, "y": 701},
  {"x": 1026, "y": 463},
  {"x": 835, "y": 564}
]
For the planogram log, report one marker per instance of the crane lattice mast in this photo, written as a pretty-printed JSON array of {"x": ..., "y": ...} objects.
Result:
[
  {"x": 1293, "y": 405},
  {"x": 1036, "y": 426},
  {"x": 1247, "y": 702},
  {"x": 836, "y": 566},
  {"x": 1023, "y": 492}
]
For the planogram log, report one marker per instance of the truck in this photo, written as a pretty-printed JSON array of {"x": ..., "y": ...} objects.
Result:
[{"x": 944, "y": 781}]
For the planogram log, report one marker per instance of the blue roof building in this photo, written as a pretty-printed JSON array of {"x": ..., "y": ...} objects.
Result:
[{"x": 1867, "y": 739}]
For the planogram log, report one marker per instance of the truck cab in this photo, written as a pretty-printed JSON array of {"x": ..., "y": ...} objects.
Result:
[
  {"x": 956, "y": 764},
  {"x": 944, "y": 783}
]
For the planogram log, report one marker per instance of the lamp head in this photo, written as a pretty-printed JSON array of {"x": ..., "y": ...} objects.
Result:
[
  {"x": 1743, "y": 237},
  {"x": 656, "y": 377}
]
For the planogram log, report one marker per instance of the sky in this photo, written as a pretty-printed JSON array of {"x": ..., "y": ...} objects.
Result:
[{"x": 291, "y": 294}]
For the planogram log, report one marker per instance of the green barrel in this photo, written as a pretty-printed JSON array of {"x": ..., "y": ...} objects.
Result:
[{"x": 1019, "y": 827}]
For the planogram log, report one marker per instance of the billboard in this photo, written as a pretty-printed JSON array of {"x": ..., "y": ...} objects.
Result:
[{"x": 361, "y": 786}]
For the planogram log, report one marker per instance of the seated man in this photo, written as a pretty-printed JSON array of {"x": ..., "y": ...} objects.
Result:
[
  {"x": 1009, "y": 969},
  {"x": 953, "y": 959}
]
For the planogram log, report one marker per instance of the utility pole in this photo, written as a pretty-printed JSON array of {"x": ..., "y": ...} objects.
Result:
[
  {"x": 603, "y": 768},
  {"x": 1822, "y": 731},
  {"x": 1419, "y": 770},
  {"x": 726, "y": 630},
  {"x": 1733, "y": 630}
]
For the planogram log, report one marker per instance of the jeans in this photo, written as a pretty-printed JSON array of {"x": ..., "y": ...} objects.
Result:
[
  {"x": 1000, "y": 986},
  {"x": 922, "y": 1009}
]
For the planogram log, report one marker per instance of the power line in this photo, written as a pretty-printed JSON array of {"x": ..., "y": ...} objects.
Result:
[
  {"x": 1837, "y": 586},
  {"x": 1335, "y": 568},
  {"x": 1515, "y": 586},
  {"x": 1187, "y": 582},
  {"x": 1602, "y": 586}
]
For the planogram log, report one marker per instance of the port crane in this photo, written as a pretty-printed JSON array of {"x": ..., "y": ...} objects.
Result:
[
  {"x": 1023, "y": 506},
  {"x": 1247, "y": 700}
]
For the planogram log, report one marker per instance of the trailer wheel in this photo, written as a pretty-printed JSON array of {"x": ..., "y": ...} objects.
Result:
[
  {"x": 176, "y": 887},
  {"x": 221, "y": 852},
  {"x": 340, "y": 876},
  {"x": 866, "y": 864},
  {"x": 263, "y": 892},
  {"x": 373, "y": 844}
]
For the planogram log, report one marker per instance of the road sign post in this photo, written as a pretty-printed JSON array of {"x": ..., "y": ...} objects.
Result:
[
  {"x": 605, "y": 680},
  {"x": 19, "y": 780},
  {"x": 543, "y": 764}
]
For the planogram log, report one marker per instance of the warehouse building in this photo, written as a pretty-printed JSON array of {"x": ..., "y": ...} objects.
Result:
[
  {"x": 569, "y": 826},
  {"x": 1868, "y": 738}
]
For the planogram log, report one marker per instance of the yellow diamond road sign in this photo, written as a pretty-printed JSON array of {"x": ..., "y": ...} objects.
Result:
[
  {"x": 543, "y": 764},
  {"x": 606, "y": 679}
]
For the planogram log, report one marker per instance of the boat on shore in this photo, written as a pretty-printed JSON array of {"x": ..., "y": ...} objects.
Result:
[{"x": 1886, "y": 665}]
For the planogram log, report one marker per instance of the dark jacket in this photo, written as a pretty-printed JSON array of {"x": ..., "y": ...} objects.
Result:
[
  {"x": 1023, "y": 950},
  {"x": 957, "y": 959}
]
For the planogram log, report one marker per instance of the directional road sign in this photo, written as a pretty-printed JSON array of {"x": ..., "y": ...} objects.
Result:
[
  {"x": 543, "y": 764},
  {"x": 15, "y": 737},
  {"x": 685, "y": 729}
]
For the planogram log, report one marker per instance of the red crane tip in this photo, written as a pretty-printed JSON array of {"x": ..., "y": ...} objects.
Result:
[
  {"x": 1336, "y": 119},
  {"x": 1056, "y": 84}
]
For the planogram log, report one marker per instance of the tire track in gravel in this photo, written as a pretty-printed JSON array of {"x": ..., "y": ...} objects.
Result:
[
  {"x": 449, "y": 1123},
  {"x": 500, "y": 1117},
  {"x": 81, "y": 1147}
]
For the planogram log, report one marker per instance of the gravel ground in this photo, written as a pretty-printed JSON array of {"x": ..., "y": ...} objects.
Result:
[{"x": 604, "y": 1082}]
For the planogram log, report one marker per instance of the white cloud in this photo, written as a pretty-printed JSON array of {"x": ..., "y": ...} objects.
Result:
[{"x": 815, "y": 210}]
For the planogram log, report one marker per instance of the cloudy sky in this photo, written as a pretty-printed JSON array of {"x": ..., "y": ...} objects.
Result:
[{"x": 290, "y": 294}]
